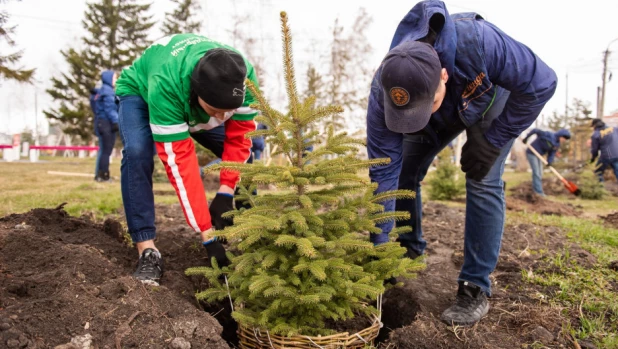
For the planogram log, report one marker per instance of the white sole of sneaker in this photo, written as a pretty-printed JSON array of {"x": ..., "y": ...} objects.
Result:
[{"x": 149, "y": 282}]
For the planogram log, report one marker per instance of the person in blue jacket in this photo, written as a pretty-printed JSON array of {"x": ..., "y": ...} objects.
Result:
[
  {"x": 258, "y": 143},
  {"x": 446, "y": 74},
  {"x": 94, "y": 95},
  {"x": 107, "y": 122},
  {"x": 604, "y": 140},
  {"x": 546, "y": 143}
]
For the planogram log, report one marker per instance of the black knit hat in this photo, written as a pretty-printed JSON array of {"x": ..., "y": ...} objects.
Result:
[{"x": 219, "y": 78}]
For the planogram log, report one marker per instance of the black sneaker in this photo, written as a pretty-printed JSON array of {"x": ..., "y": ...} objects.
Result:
[
  {"x": 149, "y": 267},
  {"x": 470, "y": 306},
  {"x": 412, "y": 254}
]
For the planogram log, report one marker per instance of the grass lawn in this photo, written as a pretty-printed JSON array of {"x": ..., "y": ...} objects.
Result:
[{"x": 28, "y": 185}]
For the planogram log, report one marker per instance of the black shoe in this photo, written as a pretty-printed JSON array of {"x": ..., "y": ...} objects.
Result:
[
  {"x": 103, "y": 176},
  {"x": 412, "y": 254},
  {"x": 471, "y": 305},
  {"x": 149, "y": 267}
]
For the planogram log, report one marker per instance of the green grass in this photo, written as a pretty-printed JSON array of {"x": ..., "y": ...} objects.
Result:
[
  {"x": 28, "y": 185},
  {"x": 587, "y": 291}
]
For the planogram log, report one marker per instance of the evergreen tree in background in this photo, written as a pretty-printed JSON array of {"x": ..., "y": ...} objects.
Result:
[
  {"x": 8, "y": 71},
  {"x": 305, "y": 255},
  {"x": 447, "y": 181},
  {"x": 180, "y": 21},
  {"x": 117, "y": 35},
  {"x": 315, "y": 89}
]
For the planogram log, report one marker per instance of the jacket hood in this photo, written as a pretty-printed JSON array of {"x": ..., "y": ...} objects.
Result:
[
  {"x": 107, "y": 77},
  {"x": 563, "y": 133},
  {"x": 415, "y": 26}
]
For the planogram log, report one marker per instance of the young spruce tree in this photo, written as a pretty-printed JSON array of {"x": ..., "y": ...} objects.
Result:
[{"x": 304, "y": 253}]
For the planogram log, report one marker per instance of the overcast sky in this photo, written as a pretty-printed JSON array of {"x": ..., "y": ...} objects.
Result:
[{"x": 568, "y": 36}]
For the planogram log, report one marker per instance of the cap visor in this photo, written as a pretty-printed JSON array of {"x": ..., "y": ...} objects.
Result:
[{"x": 407, "y": 120}]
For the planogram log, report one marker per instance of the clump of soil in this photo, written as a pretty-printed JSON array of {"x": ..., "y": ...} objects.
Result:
[
  {"x": 67, "y": 280},
  {"x": 611, "y": 219},
  {"x": 523, "y": 198}
]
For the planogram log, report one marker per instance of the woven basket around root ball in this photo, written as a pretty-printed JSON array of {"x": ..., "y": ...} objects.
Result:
[{"x": 256, "y": 339}]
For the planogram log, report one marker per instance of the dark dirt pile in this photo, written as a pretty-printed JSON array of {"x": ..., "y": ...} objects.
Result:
[
  {"x": 611, "y": 220},
  {"x": 523, "y": 198},
  {"x": 66, "y": 280}
]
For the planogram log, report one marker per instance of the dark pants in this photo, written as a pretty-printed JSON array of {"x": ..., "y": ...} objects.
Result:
[
  {"x": 485, "y": 205},
  {"x": 107, "y": 138},
  {"x": 96, "y": 165},
  {"x": 603, "y": 165},
  {"x": 137, "y": 164}
]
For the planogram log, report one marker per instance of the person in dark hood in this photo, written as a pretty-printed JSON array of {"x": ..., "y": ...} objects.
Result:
[
  {"x": 446, "y": 74},
  {"x": 546, "y": 143},
  {"x": 604, "y": 140},
  {"x": 107, "y": 122},
  {"x": 94, "y": 96}
]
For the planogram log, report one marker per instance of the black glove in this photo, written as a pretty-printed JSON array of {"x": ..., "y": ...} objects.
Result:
[
  {"x": 115, "y": 127},
  {"x": 221, "y": 204},
  {"x": 593, "y": 158},
  {"x": 215, "y": 249},
  {"x": 478, "y": 155}
]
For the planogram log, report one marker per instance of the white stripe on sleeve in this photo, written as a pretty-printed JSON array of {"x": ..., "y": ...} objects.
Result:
[
  {"x": 168, "y": 129},
  {"x": 184, "y": 199}
]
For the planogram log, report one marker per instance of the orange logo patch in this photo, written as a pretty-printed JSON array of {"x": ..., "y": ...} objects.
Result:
[{"x": 399, "y": 96}]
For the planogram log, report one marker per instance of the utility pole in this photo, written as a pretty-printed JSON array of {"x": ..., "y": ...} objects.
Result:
[
  {"x": 598, "y": 102},
  {"x": 601, "y": 105},
  {"x": 602, "y": 98}
]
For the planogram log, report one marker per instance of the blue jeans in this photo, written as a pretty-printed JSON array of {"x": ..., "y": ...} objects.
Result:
[
  {"x": 603, "y": 165},
  {"x": 537, "y": 172},
  {"x": 485, "y": 204},
  {"x": 107, "y": 138},
  {"x": 257, "y": 154},
  {"x": 137, "y": 164},
  {"x": 100, "y": 143}
]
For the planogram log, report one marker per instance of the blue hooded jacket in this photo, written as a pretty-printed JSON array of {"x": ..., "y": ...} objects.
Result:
[
  {"x": 478, "y": 57},
  {"x": 93, "y": 100},
  {"x": 547, "y": 142},
  {"x": 106, "y": 108},
  {"x": 605, "y": 140}
]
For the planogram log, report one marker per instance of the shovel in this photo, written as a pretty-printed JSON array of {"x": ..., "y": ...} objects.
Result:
[{"x": 567, "y": 184}]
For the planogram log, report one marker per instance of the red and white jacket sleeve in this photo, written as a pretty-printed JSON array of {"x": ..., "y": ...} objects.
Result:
[
  {"x": 183, "y": 172},
  {"x": 236, "y": 147}
]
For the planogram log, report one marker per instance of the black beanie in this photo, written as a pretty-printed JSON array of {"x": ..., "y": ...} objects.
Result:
[{"x": 219, "y": 78}]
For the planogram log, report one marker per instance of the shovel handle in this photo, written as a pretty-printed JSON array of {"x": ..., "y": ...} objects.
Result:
[{"x": 545, "y": 162}]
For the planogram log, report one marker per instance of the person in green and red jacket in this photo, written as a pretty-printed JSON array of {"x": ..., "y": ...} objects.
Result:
[{"x": 184, "y": 86}]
